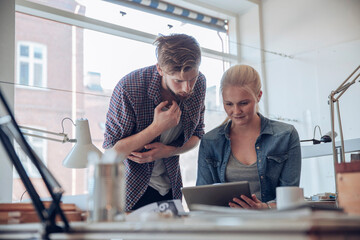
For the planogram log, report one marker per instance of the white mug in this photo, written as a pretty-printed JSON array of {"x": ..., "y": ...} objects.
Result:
[{"x": 288, "y": 197}]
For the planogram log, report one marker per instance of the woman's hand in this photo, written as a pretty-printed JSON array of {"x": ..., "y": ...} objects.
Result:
[{"x": 247, "y": 203}]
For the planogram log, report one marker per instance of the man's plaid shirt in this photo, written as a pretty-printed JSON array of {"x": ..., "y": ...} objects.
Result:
[{"x": 131, "y": 110}]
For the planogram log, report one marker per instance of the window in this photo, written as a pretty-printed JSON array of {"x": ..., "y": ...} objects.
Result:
[
  {"x": 120, "y": 14},
  {"x": 39, "y": 145},
  {"x": 83, "y": 62},
  {"x": 31, "y": 64}
]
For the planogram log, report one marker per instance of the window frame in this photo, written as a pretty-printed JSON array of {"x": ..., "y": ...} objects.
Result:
[
  {"x": 31, "y": 60},
  {"x": 64, "y": 17},
  {"x": 85, "y": 22}
]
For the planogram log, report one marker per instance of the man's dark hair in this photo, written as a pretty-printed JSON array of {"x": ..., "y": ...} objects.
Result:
[{"x": 177, "y": 53}]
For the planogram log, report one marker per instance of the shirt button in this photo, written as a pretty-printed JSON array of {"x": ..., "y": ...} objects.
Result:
[
  {"x": 257, "y": 147},
  {"x": 262, "y": 177}
]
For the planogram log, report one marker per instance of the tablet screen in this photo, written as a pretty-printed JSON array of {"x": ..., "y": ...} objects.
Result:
[{"x": 219, "y": 194}]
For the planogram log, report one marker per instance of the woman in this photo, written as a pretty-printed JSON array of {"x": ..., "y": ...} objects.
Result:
[{"x": 248, "y": 146}]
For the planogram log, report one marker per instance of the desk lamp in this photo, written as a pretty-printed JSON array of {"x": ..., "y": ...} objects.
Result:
[
  {"x": 347, "y": 174},
  {"x": 328, "y": 137},
  {"x": 77, "y": 158},
  {"x": 334, "y": 98}
]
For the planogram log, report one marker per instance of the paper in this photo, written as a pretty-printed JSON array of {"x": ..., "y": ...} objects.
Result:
[{"x": 157, "y": 210}]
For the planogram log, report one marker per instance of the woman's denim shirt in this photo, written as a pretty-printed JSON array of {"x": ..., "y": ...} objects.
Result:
[{"x": 277, "y": 150}]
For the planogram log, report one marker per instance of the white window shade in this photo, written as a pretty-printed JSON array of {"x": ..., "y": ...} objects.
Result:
[{"x": 175, "y": 12}]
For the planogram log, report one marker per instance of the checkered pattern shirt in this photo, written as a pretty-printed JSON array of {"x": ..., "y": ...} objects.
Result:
[{"x": 131, "y": 110}]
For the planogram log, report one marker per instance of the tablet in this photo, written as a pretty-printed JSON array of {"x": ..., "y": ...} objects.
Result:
[{"x": 218, "y": 194}]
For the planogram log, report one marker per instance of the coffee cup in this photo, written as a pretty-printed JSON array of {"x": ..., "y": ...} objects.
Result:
[{"x": 289, "y": 197}]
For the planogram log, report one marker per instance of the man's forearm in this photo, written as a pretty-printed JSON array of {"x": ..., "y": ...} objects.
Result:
[
  {"x": 158, "y": 150},
  {"x": 137, "y": 141},
  {"x": 190, "y": 144}
]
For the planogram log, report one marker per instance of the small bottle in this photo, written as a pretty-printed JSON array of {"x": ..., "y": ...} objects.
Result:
[{"x": 106, "y": 187}]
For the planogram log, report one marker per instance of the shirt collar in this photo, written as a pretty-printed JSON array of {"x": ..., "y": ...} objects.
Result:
[
  {"x": 266, "y": 127},
  {"x": 155, "y": 86}
]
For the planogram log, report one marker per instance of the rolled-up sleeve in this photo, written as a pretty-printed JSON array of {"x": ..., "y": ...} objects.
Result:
[{"x": 120, "y": 119}]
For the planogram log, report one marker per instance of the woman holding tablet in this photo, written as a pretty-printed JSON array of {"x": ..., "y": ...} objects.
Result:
[{"x": 248, "y": 146}]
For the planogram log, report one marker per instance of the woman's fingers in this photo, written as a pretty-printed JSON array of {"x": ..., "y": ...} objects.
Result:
[
  {"x": 247, "y": 203},
  {"x": 241, "y": 203}
]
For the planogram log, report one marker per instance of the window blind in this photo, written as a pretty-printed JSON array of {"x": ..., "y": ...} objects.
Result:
[{"x": 175, "y": 12}]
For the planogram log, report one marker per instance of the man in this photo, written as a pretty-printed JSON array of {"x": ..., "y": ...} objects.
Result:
[{"x": 155, "y": 114}]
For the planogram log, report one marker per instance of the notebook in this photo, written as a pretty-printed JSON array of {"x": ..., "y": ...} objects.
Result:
[{"x": 219, "y": 194}]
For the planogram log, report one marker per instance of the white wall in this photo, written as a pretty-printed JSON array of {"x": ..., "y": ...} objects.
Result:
[{"x": 323, "y": 37}]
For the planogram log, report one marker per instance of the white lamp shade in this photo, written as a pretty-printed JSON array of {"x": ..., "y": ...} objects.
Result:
[{"x": 78, "y": 156}]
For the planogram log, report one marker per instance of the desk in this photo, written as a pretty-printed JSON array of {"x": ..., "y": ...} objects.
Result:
[{"x": 223, "y": 227}]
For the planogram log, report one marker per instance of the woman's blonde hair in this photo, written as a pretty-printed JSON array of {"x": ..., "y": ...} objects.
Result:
[{"x": 243, "y": 76}]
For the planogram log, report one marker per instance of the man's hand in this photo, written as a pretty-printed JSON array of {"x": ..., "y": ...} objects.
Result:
[
  {"x": 248, "y": 203},
  {"x": 164, "y": 120},
  {"x": 157, "y": 151}
]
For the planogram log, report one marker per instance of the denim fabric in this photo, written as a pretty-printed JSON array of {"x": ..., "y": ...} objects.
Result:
[{"x": 278, "y": 156}]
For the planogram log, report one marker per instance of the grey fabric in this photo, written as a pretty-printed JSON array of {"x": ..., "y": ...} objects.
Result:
[
  {"x": 237, "y": 171},
  {"x": 159, "y": 179}
]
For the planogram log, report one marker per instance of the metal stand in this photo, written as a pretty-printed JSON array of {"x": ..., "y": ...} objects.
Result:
[
  {"x": 9, "y": 130},
  {"x": 334, "y": 98}
]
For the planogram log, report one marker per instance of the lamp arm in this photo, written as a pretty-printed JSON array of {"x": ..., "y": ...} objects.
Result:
[
  {"x": 332, "y": 118},
  {"x": 48, "y": 138},
  {"x": 343, "y": 87},
  {"x": 342, "y": 156},
  {"x": 43, "y": 131},
  {"x": 335, "y": 99},
  {"x": 64, "y": 136}
]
